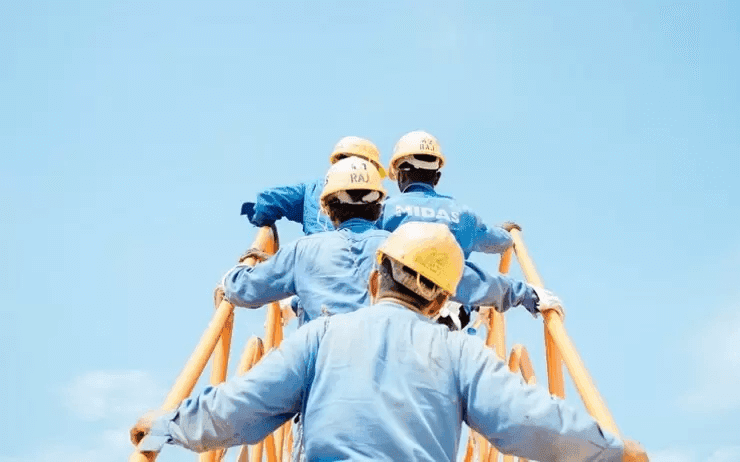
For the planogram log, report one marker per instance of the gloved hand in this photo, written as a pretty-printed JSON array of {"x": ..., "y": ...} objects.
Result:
[
  {"x": 634, "y": 452},
  {"x": 548, "y": 301},
  {"x": 449, "y": 315},
  {"x": 142, "y": 427},
  {"x": 257, "y": 254},
  {"x": 248, "y": 210},
  {"x": 509, "y": 225}
]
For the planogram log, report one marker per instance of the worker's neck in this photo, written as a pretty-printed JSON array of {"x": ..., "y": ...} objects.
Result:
[{"x": 399, "y": 301}]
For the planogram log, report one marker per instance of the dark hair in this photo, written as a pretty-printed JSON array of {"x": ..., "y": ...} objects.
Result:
[
  {"x": 389, "y": 286},
  {"x": 340, "y": 212},
  {"x": 408, "y": 174}
]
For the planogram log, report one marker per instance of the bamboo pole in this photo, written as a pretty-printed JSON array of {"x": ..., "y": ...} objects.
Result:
[
  {"x": 492, "y": 454},
  {"x": 584, "y": 384},
  {"x": 253, "y": 352},
  {"x": 558, "y": 340},
  {"x": 219, "y": 369},
  {"x": 469, "y": 450},
  {"x": 555, "y": 379},
  {"x": 273, "y": 338},
  {"x": 496, "y": 337},
  {"x": 194, "y": 367},
  {"x": 288, "y": 442},
  {"x": 185, "y": 382}
]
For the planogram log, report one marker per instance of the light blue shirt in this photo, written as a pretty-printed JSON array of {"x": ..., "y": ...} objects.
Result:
[
  {"x": 298, "y": 203},
  {"x": 385, "y": 383},
  {"x": 329, "y": 272},
  {"x": 420, "y": 202}
]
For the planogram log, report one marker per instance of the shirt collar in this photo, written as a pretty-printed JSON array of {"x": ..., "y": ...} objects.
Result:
[
  {"x": 357, "y": 225},
  {"x": 418, "y": 187}
]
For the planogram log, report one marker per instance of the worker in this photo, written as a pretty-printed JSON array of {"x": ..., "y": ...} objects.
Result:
[
  {"x": 329, "y": 271},
  {"x": 416, "y": 166},
  {"x": 386, "y": 383},
  {"x": 300, "y": 202}
]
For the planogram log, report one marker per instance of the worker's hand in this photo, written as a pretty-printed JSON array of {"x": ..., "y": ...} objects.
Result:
[
  {"x": 634, "y": 452},
  {"x": 548, "y": 301},
  {"x": 218, "y": 295},
  {"x": 509, "y": 225},
  {"x": 143, "y": 425}
]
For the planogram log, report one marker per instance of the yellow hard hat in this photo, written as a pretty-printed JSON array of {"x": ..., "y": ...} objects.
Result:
[
  {"x": 416, "y": 142},
  {"x": 360, "y": 147},
  {"x": 352, "y": 173},
  {"x": 429, "y": 249}
]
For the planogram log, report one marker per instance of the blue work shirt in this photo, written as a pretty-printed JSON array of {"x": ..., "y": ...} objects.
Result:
[
  {"x": 329, "y": 272},
  {"x": 420, "y": 202},
  {"x": 385, "y": 383},
  {"x": 299, "y": 203}
]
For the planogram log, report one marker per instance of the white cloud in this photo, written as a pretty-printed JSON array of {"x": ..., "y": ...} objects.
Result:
[
  {"x": 717, "y": 366},
  {"x": 672, "y": 455},
  {"x": 728, "y": 454},
  {"x": 112, "y": 395},
  {"x": 111, "y": 398},
  {"x": 723, "y": 454}
]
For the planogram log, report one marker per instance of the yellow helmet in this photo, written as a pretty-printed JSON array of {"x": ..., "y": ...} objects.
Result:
[
  {"x": 352, "y": 173},
  {"x": 430, "y": 250},
  {"x": 417, "y": 142},
  {"x": 360, "y": 147}
]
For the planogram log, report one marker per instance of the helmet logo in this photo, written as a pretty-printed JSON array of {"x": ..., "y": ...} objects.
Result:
[
  {"x": 427, "y": 144},
  {"x": 434, "y": 260},
  {"x": 359, "y": 178}
]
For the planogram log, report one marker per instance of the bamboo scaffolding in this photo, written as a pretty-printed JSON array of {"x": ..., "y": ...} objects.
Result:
[
  {"x": 561, "y": 349},
  {"x": 185, "y": 382}
]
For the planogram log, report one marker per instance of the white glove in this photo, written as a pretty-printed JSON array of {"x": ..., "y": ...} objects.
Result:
[
  {"x": 548, "y": 301},
  {"x": 450, "y": 310},
  {"x": 220, "y": 292}
]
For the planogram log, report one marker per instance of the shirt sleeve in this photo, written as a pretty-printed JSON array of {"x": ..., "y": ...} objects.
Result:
[
  {"x": 490, "y": 240},
  {"x": 265, "y": 282},
  {"x": 525, "y": 420},
  {"x": 275, "y": 203},
  {"x": 245, "y": 409},
  {"x": 479, "y": 288}
]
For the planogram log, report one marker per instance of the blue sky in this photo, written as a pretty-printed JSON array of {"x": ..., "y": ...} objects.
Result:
[{"x": 131, "y": 132}]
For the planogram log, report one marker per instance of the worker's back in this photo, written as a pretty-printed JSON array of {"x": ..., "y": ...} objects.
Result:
[
  {"x": 388, "y": 384},
  {"x": 332, "y": 268},
  {"x": 420, "y": 202},
  {"x": 383, "y": 389}
]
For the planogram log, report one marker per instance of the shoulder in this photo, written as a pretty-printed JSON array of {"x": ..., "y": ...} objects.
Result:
[{"x": 314, "y": 184}]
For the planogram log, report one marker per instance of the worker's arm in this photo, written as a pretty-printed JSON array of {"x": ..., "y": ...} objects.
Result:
[
  {"x": 479, "y": 288},
  {"x": 486, "y": 239},
  {"x": 275, "y": 203},
  {"x": 265, "y": 282},
  {"x": 245, "y": 409},
  {"x": 524, "y": 420}
]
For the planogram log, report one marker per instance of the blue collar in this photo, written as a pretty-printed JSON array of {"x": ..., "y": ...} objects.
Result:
[
  {"x": 413, "y": 187},
  {"x": 357, "y": 225}
]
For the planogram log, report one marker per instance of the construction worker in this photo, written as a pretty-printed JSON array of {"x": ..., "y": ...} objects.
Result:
[
  {"x": 329, "y": 271},
  {"x": 416, "y": 166},
  {"x": 387, "y": 384},
  {"x": 300, "y": 202}
]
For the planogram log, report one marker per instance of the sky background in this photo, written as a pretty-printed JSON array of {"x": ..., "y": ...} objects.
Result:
[{"x": 131, "y": 132}]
